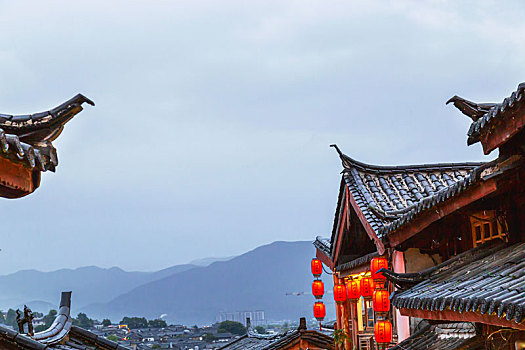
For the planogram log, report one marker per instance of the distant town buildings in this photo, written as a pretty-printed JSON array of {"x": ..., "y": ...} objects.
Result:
[{"x": 256, "y": 317}]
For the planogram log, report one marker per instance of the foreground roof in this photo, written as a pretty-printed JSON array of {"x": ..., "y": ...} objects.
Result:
[
  {"x": 447, "y": 336},
  {"x": 60, "y": 335},
  {"x": 389, "y": 196},
  {"x": 487, "y": 280},
  {"x": 487, "y": 116}
]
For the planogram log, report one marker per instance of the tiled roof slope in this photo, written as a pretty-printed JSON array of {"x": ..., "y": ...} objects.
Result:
[
  {"x": 484, "y": 115},
  {"x": 489, "y": 279},
  {"x": 390, "y": 196},
  {"x": 28, "y": 138},
  {"x": 323, "y": 244},
  {"x": 255, "y": 341},
  {"x": 448, "y": 336}
]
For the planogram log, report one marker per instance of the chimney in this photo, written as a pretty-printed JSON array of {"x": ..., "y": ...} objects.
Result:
[
  {"x": 248, "y": 323},
  {"x": 302, "y": 324}
]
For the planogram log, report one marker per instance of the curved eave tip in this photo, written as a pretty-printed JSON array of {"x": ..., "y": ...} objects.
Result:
[
  {"x": 453, "y": 99},
  {"x": 84, "y": 99},
  {"x": 337, "y": 149}
]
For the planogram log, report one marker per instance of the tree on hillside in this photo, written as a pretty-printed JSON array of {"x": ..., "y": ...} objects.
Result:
[
  {"x": 106, "y": 322},
  {"x": 135, "y": 322},
  {"x": 158, "y": 323},
  {"x": 231, "y": 327},
  {"x": 260, "y": 330},
  {"x": 10, "y": 318},
  {"x": 49, "y": 318},
  {"x": 83, "y": 321}
]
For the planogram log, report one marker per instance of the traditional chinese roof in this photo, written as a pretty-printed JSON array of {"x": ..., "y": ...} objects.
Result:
[
  {"x": 255, "y": 341},
  {"x": 60, "y": 335},
  {"x": 26, "y": 147},
  {"x": 486, "y": 116},
  {"x": 27, "y": 138},
  {"x": 390, "y": 196},
  {"x": 447, "y": 336},
  {"x": 487, "y": 280}
]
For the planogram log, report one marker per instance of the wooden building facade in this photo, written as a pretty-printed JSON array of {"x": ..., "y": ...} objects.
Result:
[{"x": 453, "y": 235}]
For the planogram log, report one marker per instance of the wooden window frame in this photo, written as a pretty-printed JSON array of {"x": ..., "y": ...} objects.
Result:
[{"x": 485, "y": 227}]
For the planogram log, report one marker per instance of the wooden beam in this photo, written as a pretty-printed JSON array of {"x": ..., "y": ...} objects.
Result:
[
  {"x": 369, "y": 230},
  {"x": 448, "y": 315},
  {"x": 503, "y": 130},
  {"x": 441, "y": 210},
  {"x": 340, "y": 228},
  {"x": 324, "y": 258}
]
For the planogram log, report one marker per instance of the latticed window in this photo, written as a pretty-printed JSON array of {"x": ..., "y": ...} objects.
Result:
[{"x": 486, "y": 225}]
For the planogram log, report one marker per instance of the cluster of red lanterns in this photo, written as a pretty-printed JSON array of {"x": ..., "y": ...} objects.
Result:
[
  {"x": 318, "y": 289},
  {"x": 371, "y": 288},
  {"x": 383, "y": 331}
]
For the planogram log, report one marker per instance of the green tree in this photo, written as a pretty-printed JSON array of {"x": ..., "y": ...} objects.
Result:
[
  {"x": 208, "y": 337},
  {"x": 83, "y": 321},
  {"x": 158, "y": 323},
  {"x": 232, "y": 327},
  {"x": 49, "y": 318},
  {"x": 112, "y": 337},
  {"x": 260, "y": 330},
  {"x": 106, "y": 322},
  {"x": 135, "y": 322},
  {"x": 10, "y": 318}
]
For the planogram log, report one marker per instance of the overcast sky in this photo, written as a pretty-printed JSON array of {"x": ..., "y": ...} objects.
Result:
[{"x": 213, "y": 119}]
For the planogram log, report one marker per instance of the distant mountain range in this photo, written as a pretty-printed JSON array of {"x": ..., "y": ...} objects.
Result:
[{"x": 188, "y": 294}]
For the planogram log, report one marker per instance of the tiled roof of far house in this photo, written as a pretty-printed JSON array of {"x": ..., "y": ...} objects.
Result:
[
  {"x": 485, "y": 115},
  {"x": 448, "y": 336},
  {"x": 489, "y": 279},
  {"x": 323, "y": 244},
  {"x": 28, "y": 138},
  {"x": 390, "y": 196}
]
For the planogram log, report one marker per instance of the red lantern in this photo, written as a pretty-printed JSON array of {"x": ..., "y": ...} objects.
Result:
[
  {"x": 317, "y": 267},
  {"x": 381, "y": 301},
  {"x": 367, "y": 287},
  {"x": 377, "y": 264},
  {"x": 353, "y": 292},
  {"x": 339, "y": 293},
  {"x": 319, "y": 311},
  {"x": 383, "y": 332},
  {"x": 318, "y": 289}
]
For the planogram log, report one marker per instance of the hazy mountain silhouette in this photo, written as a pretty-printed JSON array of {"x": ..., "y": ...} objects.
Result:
[
  {"x": 257, "y": 280},
  {"x": 89, "y": 284}
]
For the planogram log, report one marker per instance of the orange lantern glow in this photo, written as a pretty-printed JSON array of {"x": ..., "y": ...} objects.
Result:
[
  {"x": 318, "y": 289},
  {"x": 383, "y": 332},
  {"x": 353, "y": 292},
  {"x": 339, "y": 293},
  {"x": 319, "y": 311},
  {"x": 376, "y": 264},
  {"x": 317, "y": 267},
  {"x": 381, "y": 301},
  {"x": 367, "y": 287}
]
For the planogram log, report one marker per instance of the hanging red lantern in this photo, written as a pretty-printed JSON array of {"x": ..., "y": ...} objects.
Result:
[
  {"x": 318, "y": 289},
  {"x": 376, "y": 264},
  {"x": 353, "y": 292},
  {"x": 339, "y": 293},
  {"x": 367, "y": 287},
  {"x": 317, "y": 267},
  {"x": 319, "y": 311},
  {"x": 381, "y": 301},
  {"x": 383, "y": 332}
]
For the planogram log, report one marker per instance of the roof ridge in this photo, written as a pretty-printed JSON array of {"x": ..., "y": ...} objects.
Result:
[{"x": 349, "y": 162}]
